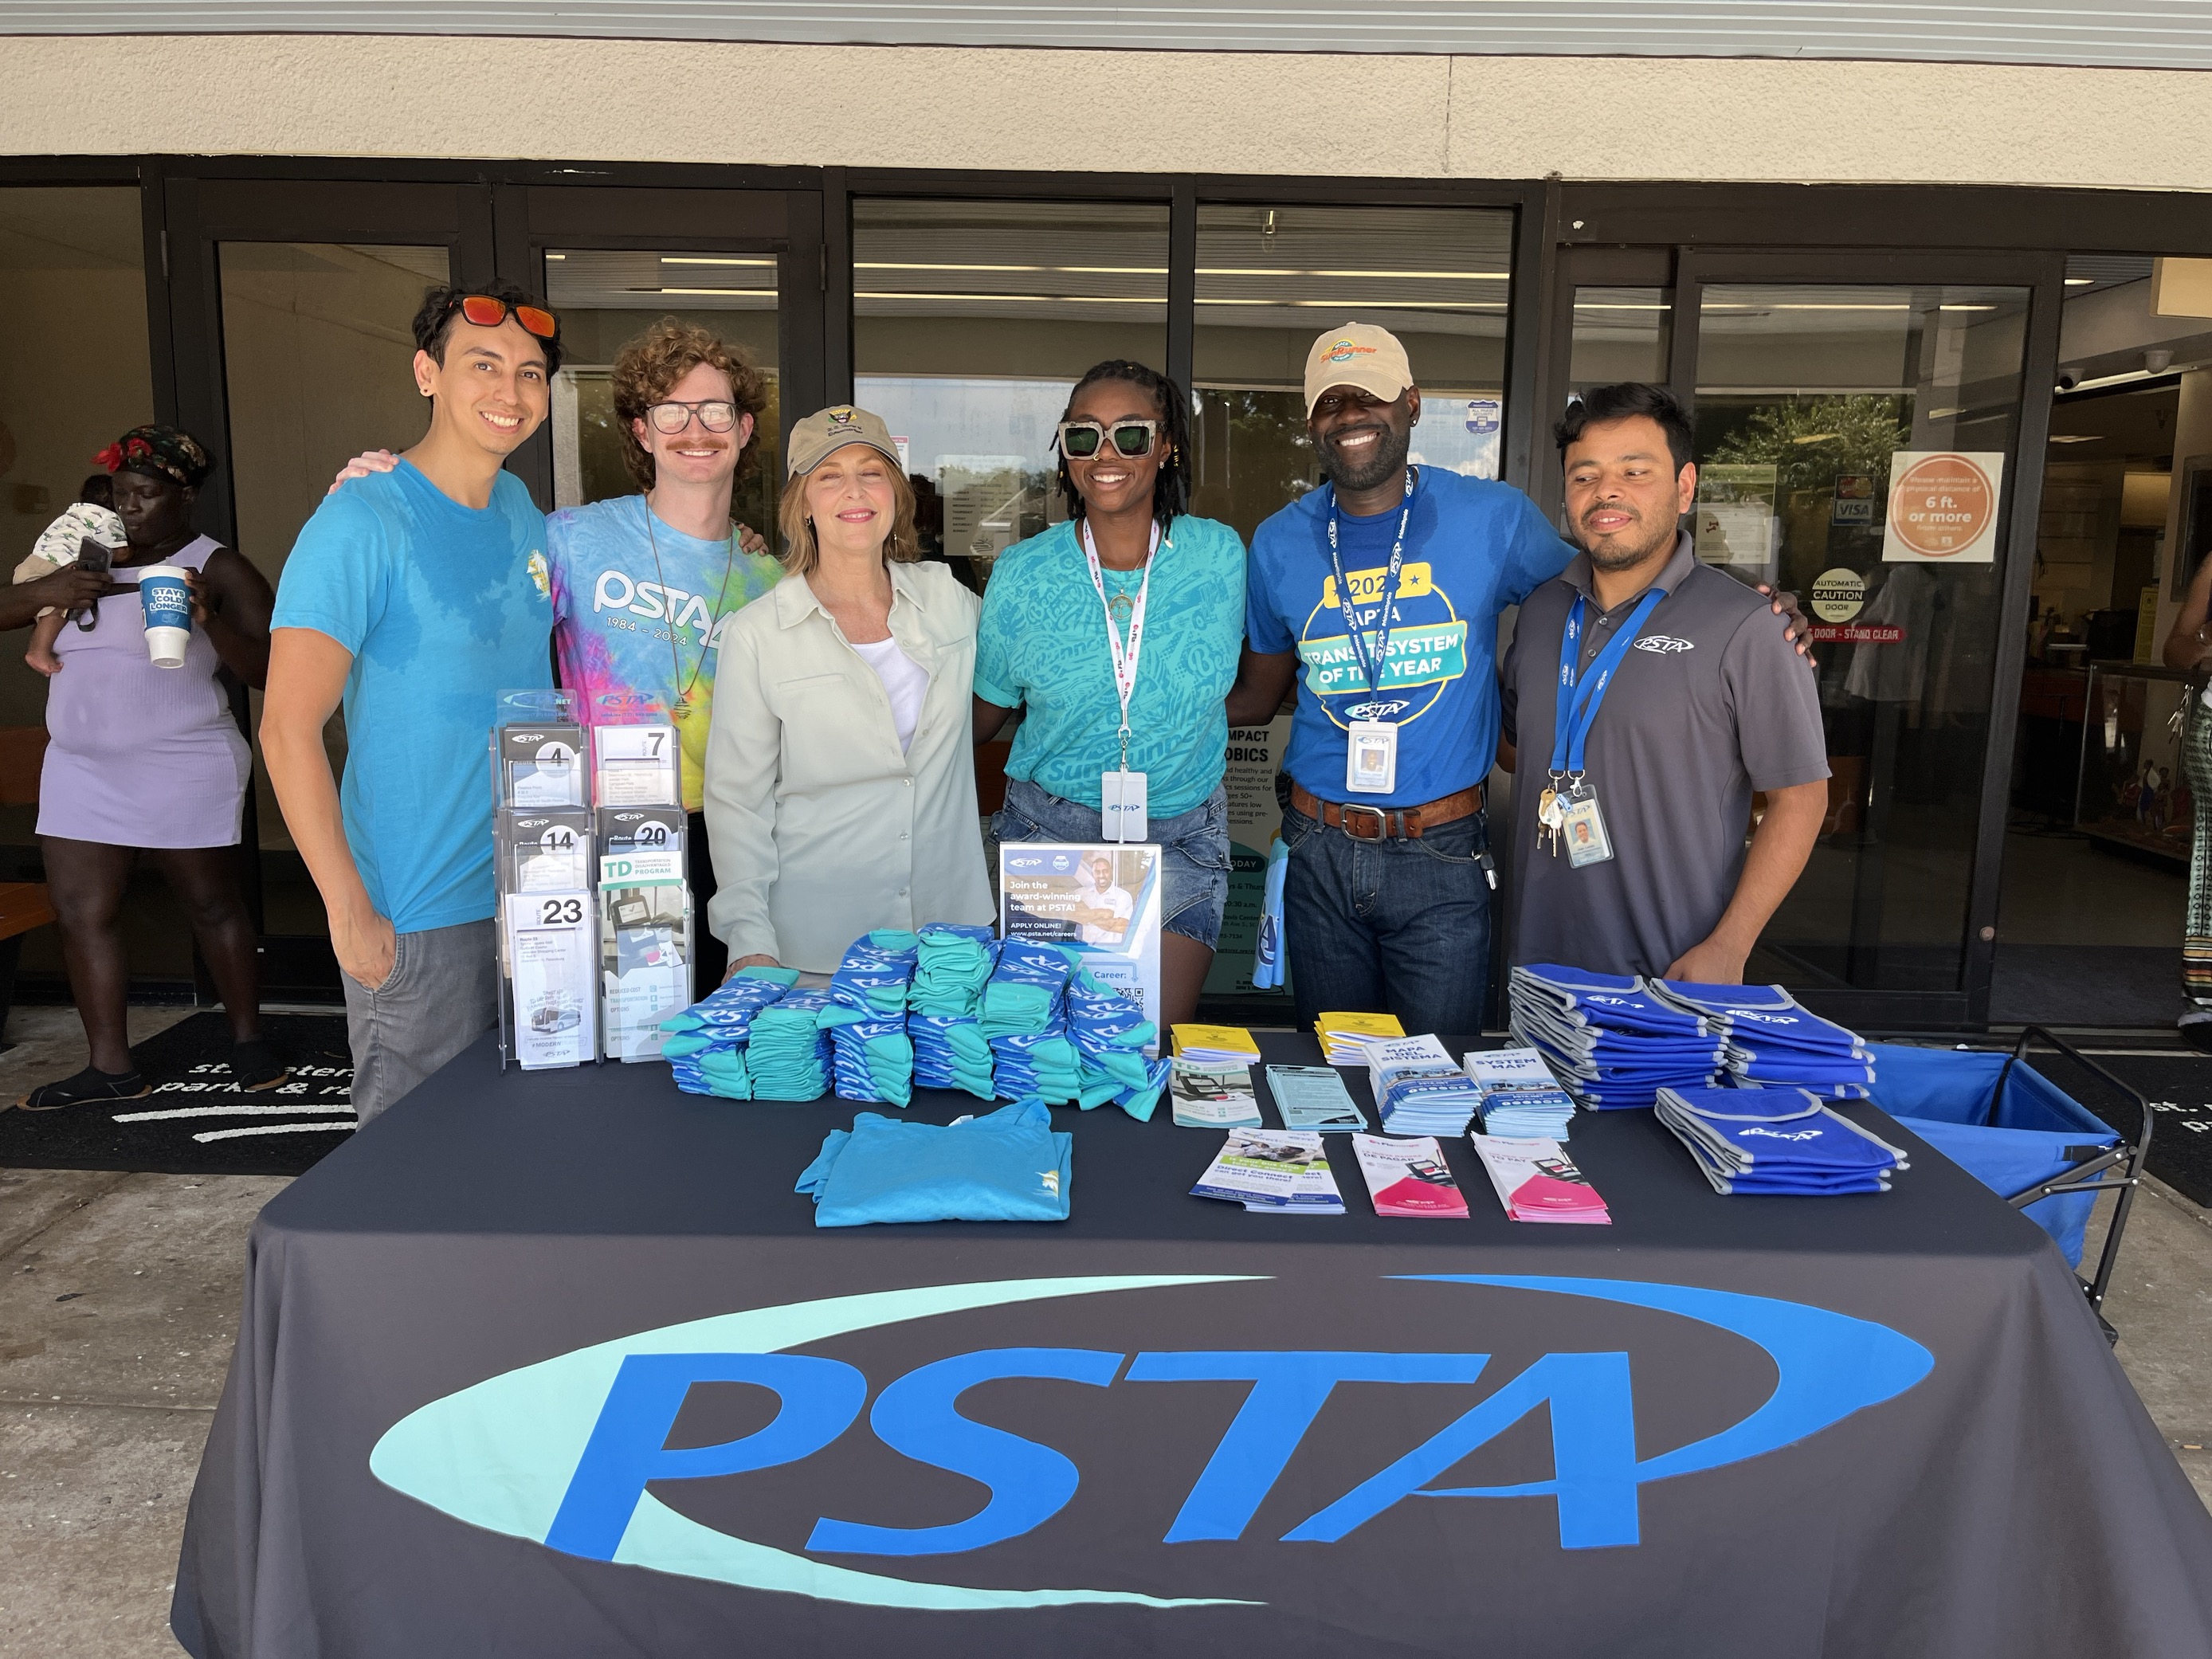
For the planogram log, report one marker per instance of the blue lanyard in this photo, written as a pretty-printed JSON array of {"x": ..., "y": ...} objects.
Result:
[
  {"x": 1578, "y": 703},
  {"x": 1373, "y": 669}
]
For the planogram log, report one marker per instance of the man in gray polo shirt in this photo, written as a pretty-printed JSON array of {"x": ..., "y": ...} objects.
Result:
[{"x": 1703, "y": 703}]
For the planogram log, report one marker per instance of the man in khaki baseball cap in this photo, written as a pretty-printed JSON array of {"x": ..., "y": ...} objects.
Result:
[
  {"x": 1361, "y": 356},
  {"x": 829, "y": 429}
]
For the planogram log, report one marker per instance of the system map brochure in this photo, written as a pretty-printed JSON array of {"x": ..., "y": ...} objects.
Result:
[
  {"x": 1408, "y": 1176},
  {"x": 1212, "y": 1097},
  {"x": 1277, "y": 1170},
  {"x": 1537, "y": 1180},
  {"x": 1313, "y": 1098}
]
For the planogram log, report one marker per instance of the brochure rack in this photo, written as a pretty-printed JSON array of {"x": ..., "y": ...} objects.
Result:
[
  {"x": 645, "y": 948},
  {"x": 589, "y": 845},
  {"x": 542, "y": 864}
]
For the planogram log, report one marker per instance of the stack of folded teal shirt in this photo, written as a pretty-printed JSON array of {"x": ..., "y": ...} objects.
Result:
[
  {"x": 707, "y": 1042},
  {"x": 788, "y": 1052},
  {"x": 1109, "y": 1032},
  {"x": 872, "y": 1056},
  {"x": 952, "y": 963},
  {"x": 1024, "y": 1016},
  {"x": 950, "y": 1052},
  {"x": 1008, "y": 1165}
]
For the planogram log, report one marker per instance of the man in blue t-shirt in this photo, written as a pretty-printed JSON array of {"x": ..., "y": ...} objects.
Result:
[
  {"x": 1386, "y": 903},
  {"x": 412, "y": 598}
]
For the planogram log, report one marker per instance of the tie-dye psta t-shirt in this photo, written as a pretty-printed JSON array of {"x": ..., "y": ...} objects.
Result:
[{"x": 626, "y": 622}]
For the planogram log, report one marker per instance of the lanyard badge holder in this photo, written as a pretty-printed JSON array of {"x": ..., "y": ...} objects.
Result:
[
  {"x": 1370, "y": 750},
  {"x": 1121, "y": 794},
  {"x": 1568, "y": 808}
]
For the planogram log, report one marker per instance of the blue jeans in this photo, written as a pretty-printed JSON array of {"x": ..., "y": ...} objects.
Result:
[
  {"x": 1193, "y": 850},
  {"x": 1389, "y": 927}
]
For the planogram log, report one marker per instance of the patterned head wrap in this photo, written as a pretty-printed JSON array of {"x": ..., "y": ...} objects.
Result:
[{"x": 161, "y": 451}]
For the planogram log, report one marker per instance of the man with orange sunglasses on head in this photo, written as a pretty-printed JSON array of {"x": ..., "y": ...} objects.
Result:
[{"x": 412, "y": 598}]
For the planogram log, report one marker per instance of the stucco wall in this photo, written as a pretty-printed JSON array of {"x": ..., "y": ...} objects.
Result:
[{"x": 1498, "y": 117}]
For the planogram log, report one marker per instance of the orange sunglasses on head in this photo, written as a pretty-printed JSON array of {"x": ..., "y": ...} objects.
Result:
[{"x": 486, "y": 312}]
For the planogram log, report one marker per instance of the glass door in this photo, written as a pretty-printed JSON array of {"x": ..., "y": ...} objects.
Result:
[
  {"x": 745, "y": 265},
  {"x": 294, "y": 306},
  {"x": 1862, "y": 440}
]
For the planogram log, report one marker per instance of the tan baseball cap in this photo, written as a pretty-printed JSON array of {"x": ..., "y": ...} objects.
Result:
[
  {"x": 827, "y": 429},
  {"x": 1361, "y": 355}
]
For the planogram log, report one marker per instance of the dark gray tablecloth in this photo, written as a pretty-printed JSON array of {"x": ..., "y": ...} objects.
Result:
[{"x": 1883, "y": 1426}]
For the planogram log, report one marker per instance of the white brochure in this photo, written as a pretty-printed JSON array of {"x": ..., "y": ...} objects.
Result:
[
  {"x": 550, "y": 941},
  {"x": 636, "y": 766}
]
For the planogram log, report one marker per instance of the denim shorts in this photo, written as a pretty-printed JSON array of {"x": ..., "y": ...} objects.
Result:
[{"x": 1194, "y": 851}]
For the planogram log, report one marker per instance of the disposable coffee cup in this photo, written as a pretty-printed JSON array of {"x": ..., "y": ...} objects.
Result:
[{"x": 168, "y": 603}]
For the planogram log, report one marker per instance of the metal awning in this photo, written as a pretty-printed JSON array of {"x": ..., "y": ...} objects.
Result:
[{"x": 2135, "y": 33}]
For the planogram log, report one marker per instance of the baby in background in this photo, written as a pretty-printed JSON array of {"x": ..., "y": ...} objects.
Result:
[{"x": 91, "y": 514}]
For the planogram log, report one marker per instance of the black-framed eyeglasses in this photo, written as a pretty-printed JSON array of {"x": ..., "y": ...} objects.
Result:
[
  {"x": 714, "y": 413},
  {"x": 1081, "y": 440}
]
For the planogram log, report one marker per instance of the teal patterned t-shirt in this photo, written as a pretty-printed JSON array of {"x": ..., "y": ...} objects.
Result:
[{"x": 1041, "y": 644}]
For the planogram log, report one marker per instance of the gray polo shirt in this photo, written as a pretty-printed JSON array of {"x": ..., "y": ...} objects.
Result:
[{"x": 1711, "y": 704}]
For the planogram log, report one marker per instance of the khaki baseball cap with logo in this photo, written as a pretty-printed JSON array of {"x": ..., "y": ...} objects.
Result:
[
  {"x": 829, "y": 429},
  {"x": 1359, "y": 354}
]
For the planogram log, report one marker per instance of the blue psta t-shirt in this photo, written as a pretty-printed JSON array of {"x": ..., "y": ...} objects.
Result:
[
  {"x": 1042, "y": 643},
  {"x": 443, "y": 607},
  {"x": 1473, "y": 548}
]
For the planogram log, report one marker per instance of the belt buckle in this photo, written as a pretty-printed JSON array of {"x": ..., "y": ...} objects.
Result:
[{"x": 1381, "y": 815}]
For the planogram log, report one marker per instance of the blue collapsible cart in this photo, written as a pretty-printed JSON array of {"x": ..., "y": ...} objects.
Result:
[{"x": 2017, "y": 1132}]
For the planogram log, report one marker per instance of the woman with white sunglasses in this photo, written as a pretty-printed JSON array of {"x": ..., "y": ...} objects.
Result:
[{"x": 1116, "y": 634}]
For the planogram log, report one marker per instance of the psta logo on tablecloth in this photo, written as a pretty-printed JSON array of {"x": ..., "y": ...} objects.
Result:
[{"x": 562, "y": 1452}]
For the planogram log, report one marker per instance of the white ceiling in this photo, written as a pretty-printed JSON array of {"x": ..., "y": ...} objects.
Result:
[{"x": 2130, "y": 33}]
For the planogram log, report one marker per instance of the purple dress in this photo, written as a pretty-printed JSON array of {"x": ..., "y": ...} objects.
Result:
[{"x": 140, "y": 756}]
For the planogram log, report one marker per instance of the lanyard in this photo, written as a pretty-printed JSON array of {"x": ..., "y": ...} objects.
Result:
[
  {"x": 1373, "y": 669},
  {"x": 1578, "y": 703},
  {"x": 1124, "y": 661}
]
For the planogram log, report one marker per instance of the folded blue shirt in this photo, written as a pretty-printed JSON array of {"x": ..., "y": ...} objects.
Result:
[{"x": 1009, "y": 1165}]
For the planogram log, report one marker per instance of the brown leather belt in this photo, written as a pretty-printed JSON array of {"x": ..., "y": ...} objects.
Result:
[{"x": 1388, "y": 823}]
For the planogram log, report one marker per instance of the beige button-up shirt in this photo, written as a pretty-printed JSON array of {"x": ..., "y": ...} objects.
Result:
[{"x": 821, "y": 827}]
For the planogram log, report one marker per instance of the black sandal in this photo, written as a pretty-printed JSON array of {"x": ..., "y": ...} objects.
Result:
[
  {"x": 255, "y": 1065},
  {"x": 90, "y": 1084}
]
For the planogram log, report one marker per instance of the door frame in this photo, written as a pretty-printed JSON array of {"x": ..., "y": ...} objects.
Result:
[
  {"x": 201, "y": 214},
  {"x": 488, "y": 228},
  {"x": 1683, "y": 270}
]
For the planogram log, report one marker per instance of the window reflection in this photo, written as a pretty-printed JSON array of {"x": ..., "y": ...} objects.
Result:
[
  {"x": 1270, "y": 278},
  {"x": 605, "y": 297},
  {"x": 1620, "y": 334},
  {"x": 971, "y": 323}
]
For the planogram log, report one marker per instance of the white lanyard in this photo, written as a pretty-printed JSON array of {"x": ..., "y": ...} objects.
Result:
[{"x": 1124, "y": 662}]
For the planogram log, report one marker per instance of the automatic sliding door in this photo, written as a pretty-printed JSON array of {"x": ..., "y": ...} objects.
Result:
[{"x": 1858, "y": 444}]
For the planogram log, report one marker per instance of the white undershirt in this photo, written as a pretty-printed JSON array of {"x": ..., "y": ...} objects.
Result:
[{"x": 904, "y": 683}]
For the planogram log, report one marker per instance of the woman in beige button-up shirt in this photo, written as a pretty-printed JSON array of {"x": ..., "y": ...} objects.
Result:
[{"x": 840, "y": 793}]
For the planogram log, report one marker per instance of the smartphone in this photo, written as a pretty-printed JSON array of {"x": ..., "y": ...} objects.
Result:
[{"x": 91, "y": 556}]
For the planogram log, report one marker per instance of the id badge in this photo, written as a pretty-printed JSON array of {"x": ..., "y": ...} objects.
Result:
[
  {"x": 1582, "y": 828},
  {"x": 1121, "y": 807},
  {"x": 1371, "y": 758}
]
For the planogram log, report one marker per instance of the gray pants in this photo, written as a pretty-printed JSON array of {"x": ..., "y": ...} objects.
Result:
[{"x": 441, "y": 995}]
